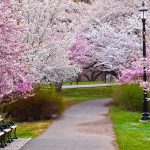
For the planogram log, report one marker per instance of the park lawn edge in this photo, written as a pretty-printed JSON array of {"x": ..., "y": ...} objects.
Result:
[
  {"x": 130, "y": 133},
  {"x": 32, "y": 129}
]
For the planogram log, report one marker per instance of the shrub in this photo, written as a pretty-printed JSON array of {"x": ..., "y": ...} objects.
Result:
[
  {"x": 45, "y": 104},
  {"x": 128, "y": 97}
]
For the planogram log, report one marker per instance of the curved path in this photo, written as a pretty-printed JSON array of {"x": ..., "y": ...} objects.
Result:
[{"x": 84, "y": 126}]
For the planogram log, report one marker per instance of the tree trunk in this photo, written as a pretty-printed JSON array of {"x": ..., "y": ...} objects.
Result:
[
  {"x": 58, "y": 87},
  {"x": 105, "y": 74},
  {"x": 95, "y": 75}
]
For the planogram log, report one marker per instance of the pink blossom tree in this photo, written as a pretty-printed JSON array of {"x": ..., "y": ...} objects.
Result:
[
  {"x": 134, "y": 73},
  {"x": 14, "y": 70},
  {"x": 80, "y": 51}
]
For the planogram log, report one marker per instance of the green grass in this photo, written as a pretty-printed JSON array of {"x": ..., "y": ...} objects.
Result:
[
  {"x": 130, "y": 133},
  {"x": 87, "y": 82},
  {"x": 32, "y": 129},
  {"x": 73, "y": 96}
]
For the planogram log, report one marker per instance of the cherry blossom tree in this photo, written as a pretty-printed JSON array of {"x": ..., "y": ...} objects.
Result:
[
  {"x": 14, "y": 70},
  {"x": 50, "y": 26},
  {"x": 110, "y": 29},
  {"x": 134, "y": 73},
  {"x": 80, "y": 51},
  {"x": 114, "y": 28}
]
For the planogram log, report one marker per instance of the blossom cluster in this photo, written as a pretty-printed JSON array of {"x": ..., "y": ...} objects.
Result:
[{"x": 135, "y": 73}]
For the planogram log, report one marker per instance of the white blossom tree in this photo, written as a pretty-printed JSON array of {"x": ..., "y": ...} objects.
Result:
[
  {"x": 50, "y": 25},
  {"x": 113, "y": 47},
  {"x": 109, "y": 28}
]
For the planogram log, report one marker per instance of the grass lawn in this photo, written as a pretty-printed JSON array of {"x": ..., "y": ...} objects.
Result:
[
  {"x": 73, "y": 96},
  {"x": 131, "y": 134},
  {"x": 32, "y": 129}
]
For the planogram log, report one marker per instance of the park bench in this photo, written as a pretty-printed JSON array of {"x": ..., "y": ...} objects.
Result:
[
  {"x": 13, "y": 126},
  {"x": 6, "y": 130},
  {"x": 2, "y": 137},
  {"x": 7, "y": 135},
  {"x": 2, "y": 134}
]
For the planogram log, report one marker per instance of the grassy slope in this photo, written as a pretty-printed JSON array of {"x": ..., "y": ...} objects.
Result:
[
  {"x": 131, "y": 134},
  {"x": 73, "y": 96}
]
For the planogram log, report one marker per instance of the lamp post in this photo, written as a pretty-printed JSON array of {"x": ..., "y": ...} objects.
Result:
[{"x": 145, "y": 114}]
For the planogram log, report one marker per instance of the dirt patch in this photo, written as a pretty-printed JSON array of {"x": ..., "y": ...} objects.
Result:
[{"x": 99, "y": 127}]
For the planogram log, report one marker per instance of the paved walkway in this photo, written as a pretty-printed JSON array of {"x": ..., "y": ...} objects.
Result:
[
  {"x": 88, "y": 85},
  {"x": 16, "y": 144},
  {"x": 84, "y": 126}
]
